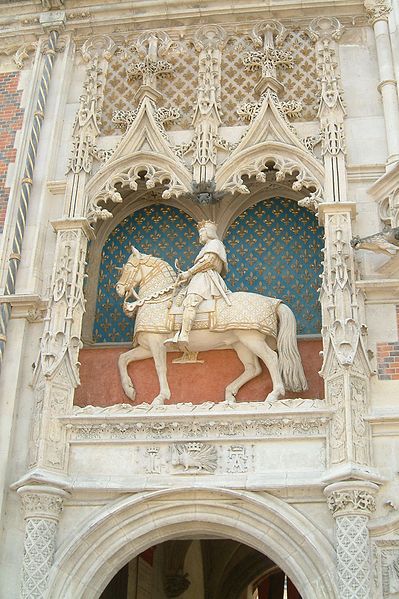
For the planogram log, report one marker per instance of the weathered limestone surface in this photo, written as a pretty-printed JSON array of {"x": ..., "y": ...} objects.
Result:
[{"x": 148, "y": 104}]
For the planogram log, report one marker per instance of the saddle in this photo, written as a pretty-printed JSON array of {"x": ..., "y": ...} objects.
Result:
[{"x": 202, "y": 318}]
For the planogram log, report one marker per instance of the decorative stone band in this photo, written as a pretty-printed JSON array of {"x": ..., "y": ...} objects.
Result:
[
  {"x": 42, "y": 502},
  {"x": 351, "y": 498}
]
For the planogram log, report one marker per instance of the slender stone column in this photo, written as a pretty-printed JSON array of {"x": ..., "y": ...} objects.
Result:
[
  {"x": 378, "y": 11},
  {"x": 351, "y": 504},
  {"x": 42, "y": 506},
  {"x": 27, "y": 182}
]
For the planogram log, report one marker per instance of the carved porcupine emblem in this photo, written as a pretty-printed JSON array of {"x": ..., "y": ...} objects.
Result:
[{"x": 195, "y": 457}]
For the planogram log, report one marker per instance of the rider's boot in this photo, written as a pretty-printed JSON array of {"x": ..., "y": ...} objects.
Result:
[{"x": 187, "y": 323}]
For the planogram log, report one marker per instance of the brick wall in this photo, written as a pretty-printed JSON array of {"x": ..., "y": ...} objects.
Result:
[
  {"x": 388, "y": 357},
  {"x": 10, "y": 122}
]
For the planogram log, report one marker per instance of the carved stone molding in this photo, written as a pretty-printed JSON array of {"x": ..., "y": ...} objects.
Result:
[
  {"x": 197, "y": 422},
  {"x": 351, "y": 498},
  {"x": 31, "y": 307}
]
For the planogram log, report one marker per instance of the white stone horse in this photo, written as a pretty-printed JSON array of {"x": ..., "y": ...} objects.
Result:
[{"x": 252, "y": 326}]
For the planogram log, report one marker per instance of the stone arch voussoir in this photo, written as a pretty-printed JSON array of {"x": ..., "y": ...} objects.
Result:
[{"x": 91, "y": 556}]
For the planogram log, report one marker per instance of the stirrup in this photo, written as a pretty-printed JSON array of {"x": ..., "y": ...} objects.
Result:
[{"x": 173, "y": 341}]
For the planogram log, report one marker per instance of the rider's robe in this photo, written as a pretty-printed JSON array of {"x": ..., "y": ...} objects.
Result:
[{"x": 209, "y": 267}]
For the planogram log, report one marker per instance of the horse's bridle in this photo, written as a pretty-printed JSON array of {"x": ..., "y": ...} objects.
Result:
[{"x": 136, "y": 267}]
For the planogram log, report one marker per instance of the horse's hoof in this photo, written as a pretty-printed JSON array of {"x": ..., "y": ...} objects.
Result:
[
  {"x": 229, "y": 399},
  {"x": 158, "y": 401},
  {"x": 274, "y": 396},
  {"x": 130, "y": 392}
]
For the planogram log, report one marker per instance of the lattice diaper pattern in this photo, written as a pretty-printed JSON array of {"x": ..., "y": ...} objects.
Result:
[
  {"x": 353, "y": 557},
  {"x": 237, "y": 84},
  {"x": 179, "y": 88},
  {"x": 38, "y": 557},
  {"x": 301, "y": 81}
]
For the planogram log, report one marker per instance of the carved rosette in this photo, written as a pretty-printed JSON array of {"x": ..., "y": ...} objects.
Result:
[
  {"x": 351, "y": 505},
  {"x": 42, "y": 510}
]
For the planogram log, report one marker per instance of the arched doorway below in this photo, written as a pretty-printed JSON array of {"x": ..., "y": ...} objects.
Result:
[{"x": 200, "y": 569}]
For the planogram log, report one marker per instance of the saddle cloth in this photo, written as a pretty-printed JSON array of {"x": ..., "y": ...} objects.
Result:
[
  {"x": 249, "y": 311},
  {"x": 202, "y": 317}
]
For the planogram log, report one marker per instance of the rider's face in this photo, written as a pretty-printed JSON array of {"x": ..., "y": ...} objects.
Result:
[{"x": 203, "y": 236}]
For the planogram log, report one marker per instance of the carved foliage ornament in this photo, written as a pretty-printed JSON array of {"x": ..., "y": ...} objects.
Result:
[
  {"x": 282, "y": 167},
  {"x": 352, "y": 501},
  {"x": 150, "y": 174},
  {"x": 377, "y": 10}
]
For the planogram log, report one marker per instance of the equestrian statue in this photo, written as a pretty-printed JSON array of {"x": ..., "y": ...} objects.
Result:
[{"x": 194, "y": 311}]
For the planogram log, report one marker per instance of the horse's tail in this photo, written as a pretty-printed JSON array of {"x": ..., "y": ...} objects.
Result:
[{"x": 291, "y": 368}]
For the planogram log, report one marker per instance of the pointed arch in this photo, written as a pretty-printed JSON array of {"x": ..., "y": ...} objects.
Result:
[{"x": 88, "y": 560}]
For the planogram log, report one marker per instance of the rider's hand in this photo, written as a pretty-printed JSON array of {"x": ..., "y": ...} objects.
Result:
[{"x": 185, "y": 275}]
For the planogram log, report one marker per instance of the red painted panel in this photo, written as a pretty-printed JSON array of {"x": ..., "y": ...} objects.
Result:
[{"x": 195, "y": 383}]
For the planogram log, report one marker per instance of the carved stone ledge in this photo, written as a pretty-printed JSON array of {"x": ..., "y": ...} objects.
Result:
[
  {"x": 32, "y": 307},
  {"x": 303, "y": 418},
  {"x": 351, "y": 498}
]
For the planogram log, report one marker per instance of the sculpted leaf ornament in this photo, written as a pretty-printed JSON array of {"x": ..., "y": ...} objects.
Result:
[{"x": 130, "y": 178}]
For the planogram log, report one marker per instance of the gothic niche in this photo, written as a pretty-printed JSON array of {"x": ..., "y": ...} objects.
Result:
[{"x": 274, "y": 249}]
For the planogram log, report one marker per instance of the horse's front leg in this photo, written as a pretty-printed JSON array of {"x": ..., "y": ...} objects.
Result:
[
  {"x": 158, "y": 351},
  {"x": 138, "y": 353}
]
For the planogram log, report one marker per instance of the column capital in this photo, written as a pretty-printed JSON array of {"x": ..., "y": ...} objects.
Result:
[
  {"x": 325, "y": 208},
  {"x": 377, "y": 10},
  {"x": 350, "y": 498},
  {"x": 73, "y": 224},
  {"x": 42, "y": 501}
]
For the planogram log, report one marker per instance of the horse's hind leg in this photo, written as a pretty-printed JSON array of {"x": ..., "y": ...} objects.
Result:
[
  {"x": 138, "y": 353},
  {"x": 251, "y": 369},
  {"x": 255, "y": 341}
]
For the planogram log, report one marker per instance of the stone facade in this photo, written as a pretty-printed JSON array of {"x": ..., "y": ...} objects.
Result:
[{"x": 206, "y": 112}]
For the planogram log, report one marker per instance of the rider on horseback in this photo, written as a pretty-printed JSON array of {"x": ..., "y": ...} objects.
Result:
[{"x": 204, "y": 279}]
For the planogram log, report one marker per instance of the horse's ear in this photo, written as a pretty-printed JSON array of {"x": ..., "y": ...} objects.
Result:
[{"x": 136, "y": 252}]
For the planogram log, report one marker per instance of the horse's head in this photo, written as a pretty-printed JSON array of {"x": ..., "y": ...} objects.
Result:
[{"x": 131, "y": 274}]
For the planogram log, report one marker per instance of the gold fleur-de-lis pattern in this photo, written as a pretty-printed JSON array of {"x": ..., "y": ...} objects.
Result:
[{"x": 274, "y": 248}]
